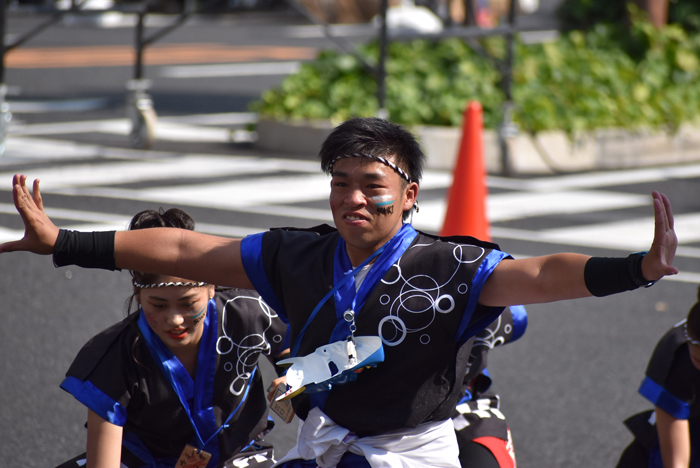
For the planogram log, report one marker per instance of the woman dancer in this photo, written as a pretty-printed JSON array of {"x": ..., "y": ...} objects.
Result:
[
  {"x": 176, "y": 383},
  {"x": 669, "y": 436}
]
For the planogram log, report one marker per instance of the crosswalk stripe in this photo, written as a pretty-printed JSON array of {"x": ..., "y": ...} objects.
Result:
[
  {"x": 191, "y": 166},
  {"x": 238, "y": 69},
  {"x": 633, "y": 234},
  {"x": 597, "y": 179},
  {"x": 511, "y": 206},
  {"x": 287, "y": 211}
]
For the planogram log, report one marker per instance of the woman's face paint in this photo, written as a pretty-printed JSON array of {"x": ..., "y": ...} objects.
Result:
[
  {"x": 176, "y": 313},
  {"x": 197, "y": 316},
  {"x": 384, "y": 203},
  {"x": 151, "y": 319}
]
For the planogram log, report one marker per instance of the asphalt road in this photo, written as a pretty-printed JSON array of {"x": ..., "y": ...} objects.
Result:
[{"x": 566, "y": 386}]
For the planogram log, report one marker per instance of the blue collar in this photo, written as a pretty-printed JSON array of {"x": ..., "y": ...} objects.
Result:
[
  {"x": 197, "y": 397},
  {"x": 344, "y": 291},
  {"x": 348, "y": 297}
]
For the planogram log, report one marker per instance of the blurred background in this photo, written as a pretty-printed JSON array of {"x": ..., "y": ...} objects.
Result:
[{"x": 218, "y": 107}]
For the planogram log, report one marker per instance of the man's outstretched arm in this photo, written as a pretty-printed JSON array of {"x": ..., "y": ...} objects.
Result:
[
  {"x": 172, "y": 252},
  {"x": 568, "y": 276}
]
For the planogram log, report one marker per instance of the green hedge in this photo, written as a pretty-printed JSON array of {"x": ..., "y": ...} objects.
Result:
[{"x": 605, "y": 77}]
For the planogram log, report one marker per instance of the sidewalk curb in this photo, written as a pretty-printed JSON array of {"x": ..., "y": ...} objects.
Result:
[{"x": 549, "y": 152}]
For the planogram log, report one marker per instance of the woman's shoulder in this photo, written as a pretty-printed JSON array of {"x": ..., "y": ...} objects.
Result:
[
  {"x": 243, "y": 313},
  {"x": 114, "y": 339},
  {"x": 671, "y": 381},
  {"x": 668, "y": 346},
  {"x": 242, "y": 306}
]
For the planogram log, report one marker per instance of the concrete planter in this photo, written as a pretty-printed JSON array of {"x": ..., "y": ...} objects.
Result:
[
  {"x": 292, "y": 136},
  {"x": 547, "y": 153}
]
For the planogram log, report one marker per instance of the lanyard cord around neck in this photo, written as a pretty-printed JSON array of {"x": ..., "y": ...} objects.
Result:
[
  {"x": 350, "y": 299},
  {"x": 297, "y": 342},
  {"x": 156, "y": 346}
]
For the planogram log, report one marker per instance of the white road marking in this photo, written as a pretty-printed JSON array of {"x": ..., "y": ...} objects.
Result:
[
  {"x": 234, "y": 69},
  {"x": 46, "y": 149},
  {"x": 159, "y": 169},
  {"x": 634, "y": 234},
  {"x": 69, "y": 127},
  {"x": 164, "y": 130},
  {"x": 336, "y": 30},
  {"x": 510, "y": 206},
  {"x": 225, "y": 118},
  {"x": 597, "y": 179}
]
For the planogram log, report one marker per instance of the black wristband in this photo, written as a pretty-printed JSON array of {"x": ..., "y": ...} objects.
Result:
[
  {"x": 634, "y": 268},
  {"x": 605, "y": 276},
  {"x": 85, "y": 249}
]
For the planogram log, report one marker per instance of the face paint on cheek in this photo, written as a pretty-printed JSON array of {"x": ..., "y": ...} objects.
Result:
[
  {"x": 382, "y": 200},
  {"x": 385, "y": 210},
  {"x": 150, "y": 319},
  {"x": 198, "y": 316}
]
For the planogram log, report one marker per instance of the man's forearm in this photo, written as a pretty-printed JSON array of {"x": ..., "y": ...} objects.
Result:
[{"x": 169, "y": 252}]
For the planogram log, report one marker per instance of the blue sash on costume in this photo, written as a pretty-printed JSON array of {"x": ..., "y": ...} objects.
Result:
[{"x": 197, "y": 397}]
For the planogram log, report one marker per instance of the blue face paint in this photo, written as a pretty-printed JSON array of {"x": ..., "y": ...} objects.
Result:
[
  {"x": 382, "y": 200},
  {"x": 195, "y": 317}
]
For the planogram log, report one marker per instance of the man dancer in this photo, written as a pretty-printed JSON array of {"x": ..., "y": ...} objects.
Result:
[{"x": 423, "y": 296}]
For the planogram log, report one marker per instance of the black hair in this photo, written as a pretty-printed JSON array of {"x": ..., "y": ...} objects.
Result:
[
  {"x": 693, "y": 322},
  {"x": 377, "y": 137},
  {"x": 172, "y": 218}
]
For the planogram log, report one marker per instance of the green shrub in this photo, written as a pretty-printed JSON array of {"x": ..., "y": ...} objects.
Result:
[
  {"x": 588, "y": 80},
  {"x": 427, "y": 82},
  {"x": 605, "y": 77}
]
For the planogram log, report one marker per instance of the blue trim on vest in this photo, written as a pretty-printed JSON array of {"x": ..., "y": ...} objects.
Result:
[
  {"x": 487, "y": 266},
  {"x": 196, "y": 396},
  {"x": 137, "y": 447},
  {"x": 287, "y": 341},
  {"x": 251, "y": 257},
  {"x": 661, "y": 398},
  {"x": 519, "y": 321},
  {"x": 348, "y": 296},
  {"x": 95, "y": 399},
  {"x": 466, "y": 398}
]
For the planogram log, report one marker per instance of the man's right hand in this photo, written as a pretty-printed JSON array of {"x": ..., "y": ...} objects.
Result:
[{"x": 39, "y": 232}]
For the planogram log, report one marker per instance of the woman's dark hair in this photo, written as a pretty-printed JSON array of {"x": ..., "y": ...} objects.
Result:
[
  {"x": 694, "y": 320},
  {"x": 173, "y": 218}
]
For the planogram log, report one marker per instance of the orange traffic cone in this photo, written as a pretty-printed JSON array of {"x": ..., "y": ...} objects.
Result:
[{"x": 466, "y": 203}]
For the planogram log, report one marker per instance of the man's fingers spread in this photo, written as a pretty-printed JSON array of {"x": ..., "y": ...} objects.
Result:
[
  {"x": 668, "y": 210},
  {"x": 10, "y": 246},
  {"x": 37, "y": 195}
]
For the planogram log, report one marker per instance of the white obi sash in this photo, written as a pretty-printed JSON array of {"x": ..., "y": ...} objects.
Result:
[{"x": 431, "y": 444}]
